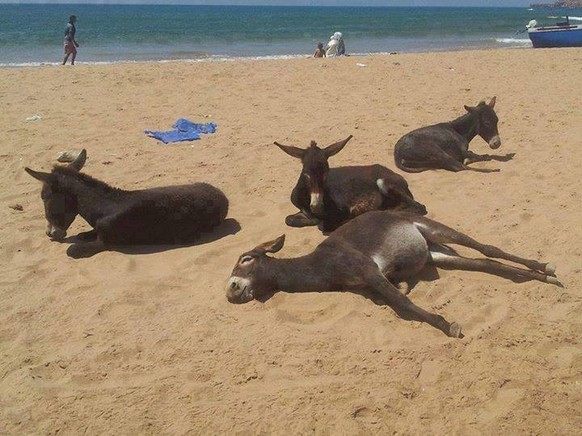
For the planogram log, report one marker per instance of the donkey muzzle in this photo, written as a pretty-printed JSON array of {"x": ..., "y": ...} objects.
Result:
[
  {"x": 495, "y": 142},
  {"x": 55, "y": 233},
  {"x": 316, "y": 203},
  {"x": 238, "y": 290}
]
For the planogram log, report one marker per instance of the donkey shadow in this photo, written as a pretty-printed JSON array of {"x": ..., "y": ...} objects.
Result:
[{"x": 80, "y": 249}]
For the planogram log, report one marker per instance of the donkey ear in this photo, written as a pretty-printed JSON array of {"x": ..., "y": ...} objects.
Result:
[
  {"x": 334, "y": 149},
  {"x": 79, "y": 162},
  {"x": 470, "y": 109},
  {"x": 43, "y": 177},
  {"x": 491, "y": 103},
  {"x": 297, "y": 152},
  {"x": 272, "y": 246}
]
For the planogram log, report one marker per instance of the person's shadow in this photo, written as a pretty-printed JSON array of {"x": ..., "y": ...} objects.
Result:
[{"x": 79, "y": 249}]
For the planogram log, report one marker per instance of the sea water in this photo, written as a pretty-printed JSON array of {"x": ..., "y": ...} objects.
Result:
[{"x": 32, "y": 34}]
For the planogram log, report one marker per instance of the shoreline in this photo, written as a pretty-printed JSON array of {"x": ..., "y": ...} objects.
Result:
[{"x": 220, "y": 59}]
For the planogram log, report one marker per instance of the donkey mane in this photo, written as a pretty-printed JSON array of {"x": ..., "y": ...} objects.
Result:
[
  {"x": 467, "y": 116},
  {"x": 462, "y": 118},
  {"x": 85, "y": 179}
]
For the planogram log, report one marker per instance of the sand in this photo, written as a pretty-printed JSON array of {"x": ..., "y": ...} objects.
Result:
[{"x": 146, "y": 342}]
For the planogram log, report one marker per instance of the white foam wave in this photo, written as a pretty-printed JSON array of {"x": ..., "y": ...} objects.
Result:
[
  {"x": 554, "y": 17},
  {"x": 27, "y": 64},
  {"x": 215, "y": 58},
  {"x": 515, "y": 41}
]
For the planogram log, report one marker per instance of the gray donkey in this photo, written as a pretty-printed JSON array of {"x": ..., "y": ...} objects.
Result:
[{"x": 372, "y": 253}]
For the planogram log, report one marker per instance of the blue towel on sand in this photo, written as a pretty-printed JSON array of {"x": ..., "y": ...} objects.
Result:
[{"x": 184, "y": 130}]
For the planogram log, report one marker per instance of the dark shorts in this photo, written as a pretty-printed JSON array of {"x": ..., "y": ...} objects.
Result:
[{"x": 70, "y": 48}]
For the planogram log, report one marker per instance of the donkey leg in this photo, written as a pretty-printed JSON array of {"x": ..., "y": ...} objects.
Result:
[
  {"x": 301, "y": 219},
  {"x": 91, "y": 235},
  {"x": 446, "y": 162},
  {"x": 406, "y": 309},
  {"x": 474, "y": 157},
  {"x": 488, "y": 266},
  {"x": 471, "y": 157},
  {"x": 438, "y": 233},
  {"x": 116, "y": 229}
]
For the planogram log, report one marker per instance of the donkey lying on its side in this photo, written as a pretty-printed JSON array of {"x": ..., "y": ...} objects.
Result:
[
  {"x": 166, "y": 215},
  {"x": 332, "y": 196},
  {"x": 372, "y": 252},
  {"x": 446, "y": 145}
]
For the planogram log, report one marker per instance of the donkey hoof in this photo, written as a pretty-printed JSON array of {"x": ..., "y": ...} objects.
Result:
[
  {"x": 455, "y": 331},
  {"x": 554, "y": 281},
  {"x": 550, "y": 269}
]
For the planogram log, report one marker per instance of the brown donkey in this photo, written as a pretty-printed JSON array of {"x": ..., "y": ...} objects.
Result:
[
  {"x": 446, "y": 145},
  {"x": 372, "y": 253},
  {"x": 165, "y": 215},
  {"x": 332, "y": 196}
]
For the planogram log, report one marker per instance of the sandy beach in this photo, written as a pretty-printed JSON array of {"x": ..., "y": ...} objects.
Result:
[{"x": 146, "y": 342}]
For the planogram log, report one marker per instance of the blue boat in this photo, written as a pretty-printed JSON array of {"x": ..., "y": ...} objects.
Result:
[{"x": 561, "y": 35}]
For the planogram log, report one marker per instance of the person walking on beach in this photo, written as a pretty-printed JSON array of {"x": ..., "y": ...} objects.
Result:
[{"x": 70, "y": 42}]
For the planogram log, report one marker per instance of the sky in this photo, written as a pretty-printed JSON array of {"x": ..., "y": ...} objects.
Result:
[{"x": 492, "y": 3}]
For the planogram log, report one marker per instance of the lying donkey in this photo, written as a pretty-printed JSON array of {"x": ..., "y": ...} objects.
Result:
[
  {"x": 333, "y": 196},
  {"x": 373, "y": 252},
  {"x": 167, "y": 215},
  {"x": 446, "y": 145}
]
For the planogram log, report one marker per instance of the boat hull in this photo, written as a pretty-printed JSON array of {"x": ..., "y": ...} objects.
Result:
[{"x": 559, "y": 36}]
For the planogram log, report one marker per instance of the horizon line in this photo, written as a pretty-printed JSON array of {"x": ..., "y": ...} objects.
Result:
[{"x": 185, "y": 3}]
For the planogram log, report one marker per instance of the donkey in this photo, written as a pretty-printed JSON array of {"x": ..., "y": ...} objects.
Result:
[
  {"x": 333, "y": 196},
  {"x": 165, "y": 215},
  {"x": 374, "y": 252},
  {"x": 446, "y": 145}
]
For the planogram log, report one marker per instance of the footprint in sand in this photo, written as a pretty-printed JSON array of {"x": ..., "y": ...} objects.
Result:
[
  {"x": 365, "y": 415},
  {"x": 430, "y": 371},
  {"x": 490, "y": 315},
  {"x": 305, "y": 311},
  {"x": 259, "y": 214},
  {"x": 124, "y": 309},
  {"x": 50, "y": 372},
  {"x": 502, "y": 403},
  {"x": 207, "y": 257}
]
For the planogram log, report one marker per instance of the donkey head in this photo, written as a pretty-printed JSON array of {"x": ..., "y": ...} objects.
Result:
[
  {"x": 315, "y": 168},
  {"x": 488, "y": 120},
  {"x": 251, "y": 276},
  {"x": 60, "y": 205}
]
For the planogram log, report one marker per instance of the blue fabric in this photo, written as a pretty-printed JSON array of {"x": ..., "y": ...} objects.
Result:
[
  {"x": 186, "y": 125},
  {"x": 185, "y": 130}
]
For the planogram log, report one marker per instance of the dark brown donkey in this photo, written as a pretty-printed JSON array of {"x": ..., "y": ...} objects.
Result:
[
  {"x": 372, "y": 253},
  {"x": 446, "y": 145},
  {"x": 333, "y": 196},
  {"x": 166, "y": 215}
]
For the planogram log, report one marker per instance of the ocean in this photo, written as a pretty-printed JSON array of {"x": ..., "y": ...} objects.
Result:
[{"x": 32, "y": 34}]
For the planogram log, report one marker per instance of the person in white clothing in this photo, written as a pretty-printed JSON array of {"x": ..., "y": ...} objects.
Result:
[{"x": 336, "y": 45}]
